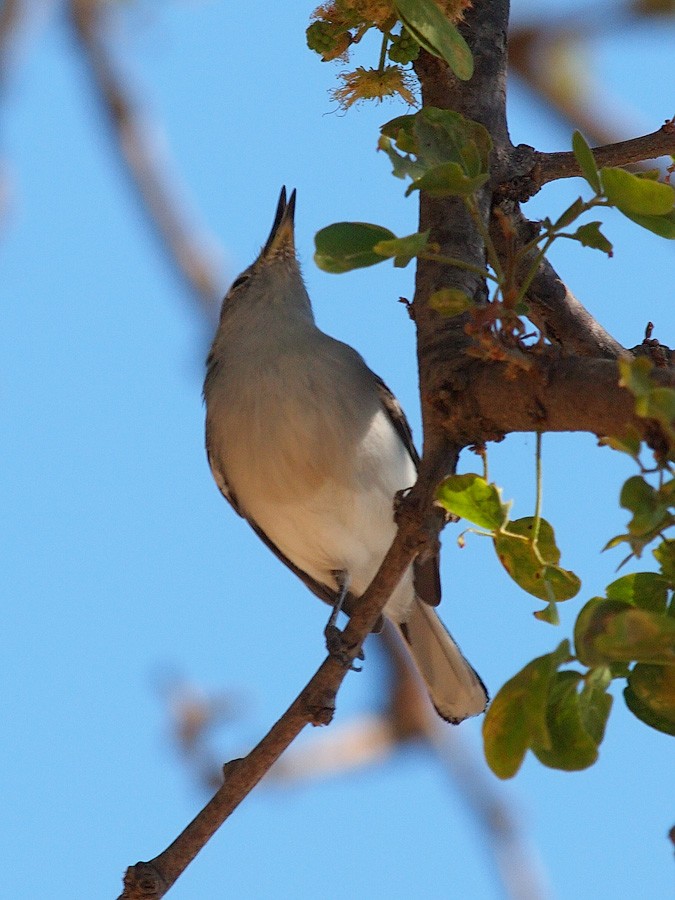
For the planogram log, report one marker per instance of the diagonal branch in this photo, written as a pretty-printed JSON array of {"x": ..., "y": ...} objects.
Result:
[
  {"x": 191, "y": 253},
  {"x": 553, "y": 308},
  {"x": 314, "y": 705}
]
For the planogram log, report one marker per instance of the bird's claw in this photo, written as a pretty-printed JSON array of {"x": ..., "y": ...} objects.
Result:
[{"x": 335, "y": 644}]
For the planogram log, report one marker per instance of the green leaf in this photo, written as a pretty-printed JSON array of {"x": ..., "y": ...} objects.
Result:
[
  {"x": 615, "y": 541},
  {"x": 447, "y": 180},
  {"x": 452, "y": 152},
  {"x": 647, "y": 590},
  {"x": 430, "y": 28},
  {"x": 571, "y": 213},
  {"x": 660, "y": 405},
  {"x": 629, "y": 443},
  {"x": 450, "y": 301},
  {"x": 665, "y": 556},
  {"x": 650, "y": 695},
  {"x": 401, "y": 130},
  {"x": 349, "y": 245},
  {"x": 444, "y": 135},
  {"x": 664, "y": 226},
  {"x": 516, "y": 718},
  {"x": 637, "y": 196},
  {"x": 471, "y": 497},
  {"x": 589, "y": 235},
  {"x": 583, "y": 634},
  {"x": 403, "y": 166},
  {"x": 536, "y": 570},
  {"x": 608, "y": 631},
  {"x": 584, "y": 156},
  {"x": 403, "y": 249},
  {"x": 571, "y": 746},
  {"x": 637, "y": 634},
  {"x": 548, "y": 614},
  {"x": 595, "y": 705},
  {"x": 649, "y": 510},
  {"x": 635, "y": 375}
]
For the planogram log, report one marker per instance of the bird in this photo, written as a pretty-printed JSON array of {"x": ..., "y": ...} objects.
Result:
[{"x": 312, "y": 449}]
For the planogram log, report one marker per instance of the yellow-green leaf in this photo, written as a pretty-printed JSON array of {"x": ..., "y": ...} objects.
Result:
[
  {"x": 471, "y": 497},
  {"x": 403, "y": 249},
  {"x": 584, "y": 156},
  {"x": 664, "y": 225},
  {"x": 571, "y": 747},
  {"x": 665, "y": 556},
  {"x": 648, "y": 590},
  {"x": 638, "y": 196},
  {"x": 635, "y": 375},
  {"x": 535, "y": 569},
  {"x": 650, "y": 510},
  {"x": 447, "y": 180},
  {"x": 608, "y": 631},
  {"x": 450, "y": 301},
  {"x": 516, "y": 718}
]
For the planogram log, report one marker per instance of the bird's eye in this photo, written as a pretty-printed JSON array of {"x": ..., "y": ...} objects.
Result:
[{"x": 239, "y": 281}]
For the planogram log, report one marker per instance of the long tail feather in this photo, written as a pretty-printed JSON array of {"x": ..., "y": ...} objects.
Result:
[{"x": 454, "y": 687}]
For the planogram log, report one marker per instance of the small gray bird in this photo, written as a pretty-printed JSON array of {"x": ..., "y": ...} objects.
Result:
[{"x": 311, "y": 448}]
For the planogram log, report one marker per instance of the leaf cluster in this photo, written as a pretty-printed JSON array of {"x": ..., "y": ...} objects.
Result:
[
  {"x": 445, "y": 154},
  {"x": 557, "y": 712}
]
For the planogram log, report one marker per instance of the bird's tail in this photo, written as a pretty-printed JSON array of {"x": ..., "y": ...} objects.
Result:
[{"x": 455, "y": 689}]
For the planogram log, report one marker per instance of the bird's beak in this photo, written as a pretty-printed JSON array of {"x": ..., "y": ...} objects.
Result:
[{"x": 282, "y": 235}]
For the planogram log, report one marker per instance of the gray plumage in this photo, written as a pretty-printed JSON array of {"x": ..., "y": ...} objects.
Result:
[{"x": 310, "y": 447}]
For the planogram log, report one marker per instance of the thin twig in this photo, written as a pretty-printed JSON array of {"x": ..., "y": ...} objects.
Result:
[{"x": 190, "y": 250}]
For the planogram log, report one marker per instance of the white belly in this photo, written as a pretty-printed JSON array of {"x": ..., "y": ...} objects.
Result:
[{"x": 343, "y": 522}]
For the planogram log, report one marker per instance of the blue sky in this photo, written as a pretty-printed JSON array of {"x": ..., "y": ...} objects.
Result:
[{"x": 120, "y": 559}]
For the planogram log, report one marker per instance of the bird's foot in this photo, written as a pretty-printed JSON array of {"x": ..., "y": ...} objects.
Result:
[{"x": 336, "y": 646}]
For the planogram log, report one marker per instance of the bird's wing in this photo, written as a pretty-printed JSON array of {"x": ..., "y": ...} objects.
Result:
[
  {"x": 322, "y": 591},
  {"x": 394, "y": 411},
  {"x": 426, "y": 571}
]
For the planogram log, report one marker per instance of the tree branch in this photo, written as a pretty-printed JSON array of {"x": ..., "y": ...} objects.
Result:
[
  {"x": 482, "y": 99},
  {"x": 552, "y": 166},
  {"x": 545, "y": 392},
  {"x": 190, "y": 252},
  {"x": 565, "y": 320},
  {"x": 315, "y": 704}
]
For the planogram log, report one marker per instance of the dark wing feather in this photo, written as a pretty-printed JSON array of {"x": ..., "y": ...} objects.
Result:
[{"x": 426, "y": 572}]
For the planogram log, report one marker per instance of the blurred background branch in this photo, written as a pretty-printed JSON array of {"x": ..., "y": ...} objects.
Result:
[{"x": 193, "y": 252}]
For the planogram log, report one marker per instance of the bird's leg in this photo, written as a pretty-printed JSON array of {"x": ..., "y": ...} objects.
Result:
[{"x": 334, "y": 636}]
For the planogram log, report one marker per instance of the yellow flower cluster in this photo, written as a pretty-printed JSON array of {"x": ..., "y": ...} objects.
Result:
[{"x": 375, "y": 84}]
